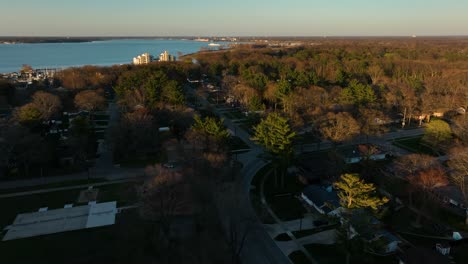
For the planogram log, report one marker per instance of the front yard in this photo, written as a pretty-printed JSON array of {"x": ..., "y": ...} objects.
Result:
[{"x": 416, "y": 145}]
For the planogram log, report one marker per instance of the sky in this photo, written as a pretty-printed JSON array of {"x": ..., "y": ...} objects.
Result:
[{"x": 233, "y": 17}]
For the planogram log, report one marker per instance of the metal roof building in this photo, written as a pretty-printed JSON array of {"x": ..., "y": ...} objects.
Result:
[{"x": 61, "y": 220}]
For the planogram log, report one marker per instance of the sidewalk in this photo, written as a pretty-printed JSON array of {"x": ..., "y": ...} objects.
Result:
[{"x": 82, "y": 186}]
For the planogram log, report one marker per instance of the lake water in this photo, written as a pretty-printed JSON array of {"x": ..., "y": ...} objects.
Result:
[{"x": 60, "y": 55}]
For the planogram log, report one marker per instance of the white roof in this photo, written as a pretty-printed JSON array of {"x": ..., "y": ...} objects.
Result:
[{"x": 61, "y": 220}]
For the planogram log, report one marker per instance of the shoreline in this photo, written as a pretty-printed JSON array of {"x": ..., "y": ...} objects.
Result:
[{"x": 110, "y": 64}]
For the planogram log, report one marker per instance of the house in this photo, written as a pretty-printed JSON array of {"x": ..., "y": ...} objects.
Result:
[
  {"x": 361, "y": 152},
  {"x": 324, "y": 199},
  {"x": 372, "y": 231}
]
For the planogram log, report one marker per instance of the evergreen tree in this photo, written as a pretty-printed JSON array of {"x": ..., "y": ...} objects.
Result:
[
  {"x": 357, "y": 93},
  {"x": 210, "y": 131},
  {"x": 354, "y": 193},
  {"x": 275, "y": 134}
]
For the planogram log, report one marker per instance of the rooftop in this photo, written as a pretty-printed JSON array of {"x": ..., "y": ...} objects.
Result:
[
  {"x": 322, "y": 197},
  {"x": 46, "y": 222}
]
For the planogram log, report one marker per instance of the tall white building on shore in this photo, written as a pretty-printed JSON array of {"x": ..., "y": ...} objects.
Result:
[
  {"x": 165, "y": 56},
  {"x": 144, "y": 58}
]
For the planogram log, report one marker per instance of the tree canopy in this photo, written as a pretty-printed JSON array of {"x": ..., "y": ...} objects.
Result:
[
  {"x": 354, "y": 193},
  {"x": 90, "y": 100},
  {"x": 339, "y": 127},
  {"x": 357, "y": 93},
  {"x": 47, "y": 104},
  {"x": 28, "y": 115},
  {"x": 275, "y": 134}
]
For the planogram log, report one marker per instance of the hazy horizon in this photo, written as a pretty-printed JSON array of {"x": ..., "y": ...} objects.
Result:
[{"x": 145, "y": 18}]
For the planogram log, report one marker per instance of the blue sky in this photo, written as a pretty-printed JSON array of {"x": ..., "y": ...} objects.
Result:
[{"x": 241, "y": 17}]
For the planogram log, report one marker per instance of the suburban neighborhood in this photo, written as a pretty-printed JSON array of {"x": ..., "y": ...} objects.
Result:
[{"x": 220, "y": 158}]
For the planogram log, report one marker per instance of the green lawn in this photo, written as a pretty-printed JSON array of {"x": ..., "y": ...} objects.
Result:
[
  {"x": 415, "y": 144},
  {"x": 282, "y": 200}
]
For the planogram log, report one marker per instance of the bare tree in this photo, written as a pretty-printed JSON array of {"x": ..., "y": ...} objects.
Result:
[
  {"x": 236, "y": 220},
  {"x": 90, "y": 100},
  {"x": 339, "y": 127},
  {"x": 460, "y": 128},
  {"x": 163, "y": 198},
  {"x": 47, "y": 104},
  {"x": 458, "y": 163},
  {"x": 409, "y": 165},
  {"x": 369, "y": 124},
  {"x": 426, "y": 181}
]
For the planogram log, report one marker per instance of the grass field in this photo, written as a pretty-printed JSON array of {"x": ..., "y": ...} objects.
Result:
[
  {"x": 415, "y": 144},
  {"x": 282, "y": 200}
]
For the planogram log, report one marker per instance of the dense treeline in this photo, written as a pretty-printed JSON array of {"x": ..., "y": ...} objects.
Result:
[
  {"x": 336, "y": 89},
  {"x": 368, "y": 79}
]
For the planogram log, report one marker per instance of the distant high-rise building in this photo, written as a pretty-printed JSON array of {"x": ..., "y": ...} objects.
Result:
[
  {"x": 144, "y": 58},
  {"x": 165, "y": 56}
]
